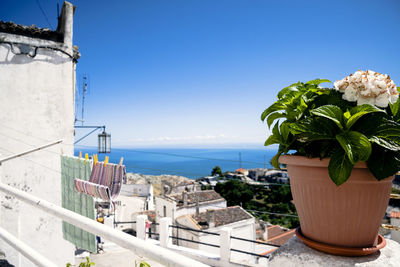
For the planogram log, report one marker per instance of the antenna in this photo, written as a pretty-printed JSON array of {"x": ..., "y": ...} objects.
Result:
[{"x": 84, "y": 89}]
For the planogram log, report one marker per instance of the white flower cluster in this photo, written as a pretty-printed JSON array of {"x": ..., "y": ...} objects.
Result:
[{"x": 368, "y": 87}]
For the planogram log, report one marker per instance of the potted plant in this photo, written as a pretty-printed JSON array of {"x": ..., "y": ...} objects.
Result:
[{"x": 345, "y": 149}]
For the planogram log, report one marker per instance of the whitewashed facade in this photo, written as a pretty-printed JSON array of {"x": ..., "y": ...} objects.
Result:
[{"x": 37, "y": 84}]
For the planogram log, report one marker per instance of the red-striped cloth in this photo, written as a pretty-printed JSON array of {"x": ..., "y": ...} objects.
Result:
[{"x": 105, "y": 181}]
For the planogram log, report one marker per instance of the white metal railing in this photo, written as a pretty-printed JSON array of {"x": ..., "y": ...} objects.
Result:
[
  {"x": 25, "y": 249},
  {"x": 141, "y": 247}
]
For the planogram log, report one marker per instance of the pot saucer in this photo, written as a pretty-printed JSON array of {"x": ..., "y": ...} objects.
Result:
[{"x": 341, "y": 251}]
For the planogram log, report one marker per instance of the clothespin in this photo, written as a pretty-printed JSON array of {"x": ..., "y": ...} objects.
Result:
[
  {"x": 80, "y": 155},
  {"x": 121, "y": 160},
  {"x": 86, "y": 157},
  {"x": 105, "y": 161},
  {"x": 95, "y": 159}
]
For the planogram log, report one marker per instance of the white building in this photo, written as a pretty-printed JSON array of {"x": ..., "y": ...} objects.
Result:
[
  {"x": 133, "y": 199},
  {"x": 236, "y": 218},
  {"x": 395, "y": 221},
  {"x": 177, "y": 205},
  {"x": 37, "y": 84}
]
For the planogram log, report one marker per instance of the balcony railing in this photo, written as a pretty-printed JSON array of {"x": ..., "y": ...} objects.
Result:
[{"x": 137, "y": 245}]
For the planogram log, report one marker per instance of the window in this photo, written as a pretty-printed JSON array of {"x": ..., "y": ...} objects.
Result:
[{"x": 165, "y": 211}]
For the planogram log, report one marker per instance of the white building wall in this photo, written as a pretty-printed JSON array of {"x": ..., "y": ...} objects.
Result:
[
  {"x": 125, "y": 212},
  {"x": 141, "y": 190},
  {"x": 37, "y": 106},
  {"x": 244, "y": 229},
  {"x": 395, "y": 234}
]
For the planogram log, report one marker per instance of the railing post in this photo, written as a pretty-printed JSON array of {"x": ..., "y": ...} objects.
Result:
[
  {"x": 141, "y": 226},
  {"x": 165, "y": 232},
  {"x": 225, "y": 244}
]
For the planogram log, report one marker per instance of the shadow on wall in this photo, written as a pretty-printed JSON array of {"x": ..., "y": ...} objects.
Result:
[{"x": 24, "y": 54}]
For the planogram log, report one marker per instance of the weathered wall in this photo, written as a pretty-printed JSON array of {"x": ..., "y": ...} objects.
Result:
[
  {"x": 395, "y": 234},
  {"x": 37, "y": 107}
]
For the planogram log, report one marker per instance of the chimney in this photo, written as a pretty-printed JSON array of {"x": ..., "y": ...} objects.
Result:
[
  {"x": 197, "y": 204},
  {"x": 210, "y": 217},
  {"x": 184, "y": 198},
  {"x": 65, "y": 23}
]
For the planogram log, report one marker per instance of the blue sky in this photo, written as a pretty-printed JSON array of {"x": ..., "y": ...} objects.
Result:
[{"x": 199, "y": 73}]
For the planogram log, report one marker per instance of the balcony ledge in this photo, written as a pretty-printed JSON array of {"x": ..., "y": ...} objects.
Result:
[{"x": 295, "y": 253}]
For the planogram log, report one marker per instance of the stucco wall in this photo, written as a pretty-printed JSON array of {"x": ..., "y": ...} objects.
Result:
[
  {"x": 37, "y": 107},
  {"x": 395, "y": 234}
]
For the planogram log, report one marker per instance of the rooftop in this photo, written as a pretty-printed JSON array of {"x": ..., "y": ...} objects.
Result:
[
  {"x": 204, "y": 196},
  {"x": 31, "y": 31},
  {"x": 395, "y": 214},
  {"x": 222, "y": 216},
  {"x": 279, "y": 236}
]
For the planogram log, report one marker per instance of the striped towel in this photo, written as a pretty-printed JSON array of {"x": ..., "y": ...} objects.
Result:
[{"x": 105, "y": 181}]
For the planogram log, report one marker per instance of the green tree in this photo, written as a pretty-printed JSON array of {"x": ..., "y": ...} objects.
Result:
[{"x": 216, "y": 171}]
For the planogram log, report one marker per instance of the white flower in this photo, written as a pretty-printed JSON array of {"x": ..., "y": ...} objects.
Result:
[{"x": 368, "y": 87}]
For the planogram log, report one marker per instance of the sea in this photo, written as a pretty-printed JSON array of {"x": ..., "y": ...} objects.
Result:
[{"x": 189, "y": 162}]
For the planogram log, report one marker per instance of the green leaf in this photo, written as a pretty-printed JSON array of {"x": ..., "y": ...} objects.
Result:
[
  {"x": 275, "y": 160},
  {"x": 383, "y": 163},
  {"x": 331, "y": 112},
  {"x": 339, "y": 167},
  {"x": 318, "y": 81},
  {"x": 313, "y": 129},
  {"x": 388, "y": 129},
  {"x": 275, "y": 137},
  {"x": 359, "y": 111},
  {"x": 274, "y": 107},
  {"x": 356, "y": 145},
  {"x": 285, "y": 131},
  {"x": 388, "y": 144},
  {"x": 272, "y": 117},
  {"x": 288, "y": 90}
]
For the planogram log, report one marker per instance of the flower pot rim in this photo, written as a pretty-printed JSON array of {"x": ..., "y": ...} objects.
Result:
[{"x": 314, "y": 162}]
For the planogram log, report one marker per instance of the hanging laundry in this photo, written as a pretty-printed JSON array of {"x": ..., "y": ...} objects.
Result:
[
  {"x": 72, "y": 167},
  {"x": 105, "y": 181}
]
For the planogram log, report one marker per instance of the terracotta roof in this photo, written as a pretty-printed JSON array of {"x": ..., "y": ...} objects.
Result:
[
  {"x": 30, "y": 31},
  {"x": 279, "y": 237},
  {"x": 150, "y": 213},
  {"x": 395, "y": 214},
  {"x": 204, "y": 196},
  {"x": 274, "y": 230},
  {"x": 222, "y": 216}
]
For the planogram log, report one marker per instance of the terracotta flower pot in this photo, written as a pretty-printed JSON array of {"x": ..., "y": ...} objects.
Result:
[{"x": 348, "y": 215}]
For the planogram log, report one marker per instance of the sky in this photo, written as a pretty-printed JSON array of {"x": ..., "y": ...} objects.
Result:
[{"x": 199, "y": 73}]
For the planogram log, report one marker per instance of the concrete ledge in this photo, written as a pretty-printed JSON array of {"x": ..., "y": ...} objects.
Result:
[{"x": 295, "y": 253}]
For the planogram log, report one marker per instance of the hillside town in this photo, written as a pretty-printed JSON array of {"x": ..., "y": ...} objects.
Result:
[{"x": 61, "y": 207}]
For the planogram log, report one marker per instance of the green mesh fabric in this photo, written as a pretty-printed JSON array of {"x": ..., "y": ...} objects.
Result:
[{"x": 82, "y": 204}]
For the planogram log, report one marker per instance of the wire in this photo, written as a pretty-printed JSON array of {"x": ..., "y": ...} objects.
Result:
[
  {"x": 273, "y": 213},
  {"x": 153, "y": 152},
  {"x": 176, "y": 155},
  {"x": 23, "y": 142},
  {"x": 23, "y": 157},
  {"x": 44, "y": 14},
  {"x": 159, "y": 170}
]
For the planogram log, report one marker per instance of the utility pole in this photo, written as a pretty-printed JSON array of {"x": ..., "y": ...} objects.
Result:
[{"x": 264, "y": 161}]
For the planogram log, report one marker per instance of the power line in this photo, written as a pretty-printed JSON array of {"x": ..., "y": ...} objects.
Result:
[
  {"x": 274, "y": 213},
  {"x": 44, "y": 14},
  {"x": 148, "y": 152},
  {"x": 177, "y": 155},
  {"x": 23, "y": 142}
]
